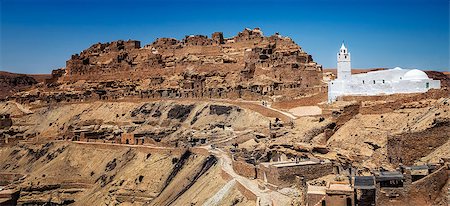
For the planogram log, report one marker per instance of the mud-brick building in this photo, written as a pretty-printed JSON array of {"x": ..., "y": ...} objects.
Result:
[
  {"x": 334, "y": 194},
  {"x": 136, "y": 139}
]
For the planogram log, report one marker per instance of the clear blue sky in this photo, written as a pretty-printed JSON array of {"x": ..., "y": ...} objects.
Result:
[{"x": 40, "y": 35}]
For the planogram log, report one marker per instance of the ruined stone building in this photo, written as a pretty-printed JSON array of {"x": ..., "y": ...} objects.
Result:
[{"x": 248, "y": 66}]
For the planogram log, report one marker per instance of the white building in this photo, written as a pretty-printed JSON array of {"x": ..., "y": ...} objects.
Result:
[{"x": 381, "y": 82}]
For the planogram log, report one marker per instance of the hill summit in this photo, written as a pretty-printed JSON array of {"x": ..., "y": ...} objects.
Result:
[{"x": 248, "y": 65}]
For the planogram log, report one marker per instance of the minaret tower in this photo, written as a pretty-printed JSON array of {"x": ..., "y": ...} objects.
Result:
[{"x": 344, "y": 68}]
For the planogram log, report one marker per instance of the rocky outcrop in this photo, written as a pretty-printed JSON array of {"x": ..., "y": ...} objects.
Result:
[
  {"x": 11, "y": 83},
  {"x": 249, "y": 65}
]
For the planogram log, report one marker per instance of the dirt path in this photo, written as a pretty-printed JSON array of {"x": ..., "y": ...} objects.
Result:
[
  {"x": 216, "y": 198},
  {"x": 265, "y": 197},
  {"x": 282, "y": 112}
]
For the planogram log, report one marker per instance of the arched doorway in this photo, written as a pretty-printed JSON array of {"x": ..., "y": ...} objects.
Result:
[{"x": 349, "y": 201}]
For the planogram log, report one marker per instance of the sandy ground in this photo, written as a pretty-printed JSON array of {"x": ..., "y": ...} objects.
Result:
[{"x": 306, "y": 111}]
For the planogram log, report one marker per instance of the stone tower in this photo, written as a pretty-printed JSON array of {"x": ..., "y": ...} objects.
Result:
[{"x": 344, "y": 68}]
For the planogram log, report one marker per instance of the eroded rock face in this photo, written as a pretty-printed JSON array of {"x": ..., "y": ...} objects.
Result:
[
  {"x": 11, "y": 83},
  {"x": 247, "y": 66},
  {"x": 180, "y": 112},
  {"x": 5, "y": 121}
]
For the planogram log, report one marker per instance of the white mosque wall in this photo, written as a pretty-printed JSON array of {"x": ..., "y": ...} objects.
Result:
[
  {"x": 379, "y": 76},
  {"x": 356, "y": 87}
]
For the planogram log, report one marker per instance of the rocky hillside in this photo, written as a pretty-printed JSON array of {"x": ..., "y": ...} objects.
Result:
[
  {"x": 445, "y": 79},
  {"x": 10, "y": 83},
  {"x": 64, "y": 173},
  {"x": 164, "y": 122},
  {"x": 161, "y": 152}
]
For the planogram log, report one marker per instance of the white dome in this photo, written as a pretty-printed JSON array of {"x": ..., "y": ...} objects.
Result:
[
  {"x": 415, "y": 74},
  {"x": 397, "y": 68}
]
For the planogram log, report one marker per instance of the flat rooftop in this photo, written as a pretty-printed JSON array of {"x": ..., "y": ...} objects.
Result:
[
  {"x": 388, "y": 175},
  {"x": 340, "y": 187},
  {"x": 364, "y": 182},
  {"x": 318, "y": 190},
  {"x": 292, "y": 163}
]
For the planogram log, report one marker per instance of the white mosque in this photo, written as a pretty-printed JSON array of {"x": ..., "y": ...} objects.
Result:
[{"x": 390, "y": 81}]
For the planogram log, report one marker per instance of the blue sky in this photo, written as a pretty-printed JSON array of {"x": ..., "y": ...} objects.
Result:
[{"x": 40, "y": 35}]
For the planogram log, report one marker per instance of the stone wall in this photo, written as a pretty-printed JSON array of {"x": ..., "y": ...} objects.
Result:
[
  {"x": 246, "y": 192},
  {"x": 424, "y": 191},
  {"x": 244, "y": 169},
  {"x": 393, "y": 102},
  {"x": 408, "y": 147},
  {"x": 285, "y": 176}
]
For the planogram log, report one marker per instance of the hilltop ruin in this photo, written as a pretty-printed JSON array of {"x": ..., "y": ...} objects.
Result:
[{"x": 248, "y": 65}]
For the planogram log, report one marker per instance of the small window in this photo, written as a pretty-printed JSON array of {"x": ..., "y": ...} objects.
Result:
[
  {"x": 363, "y": 81},
  {"x": 427, "y": 85},
  {"x": 373, "y": 81},
  {"x": 383, "y": 81}
]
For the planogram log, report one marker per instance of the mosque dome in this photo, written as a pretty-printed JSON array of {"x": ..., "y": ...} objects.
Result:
[
  {"x": 415, "y": 74},
  {"x": 397, "y": 68}
]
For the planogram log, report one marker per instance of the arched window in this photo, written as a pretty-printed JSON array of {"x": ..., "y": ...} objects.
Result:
[
  {"x": 323, "y": 203},
  {"x": 363, "y": 81},
  {"x": 427, "y": 85}
]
